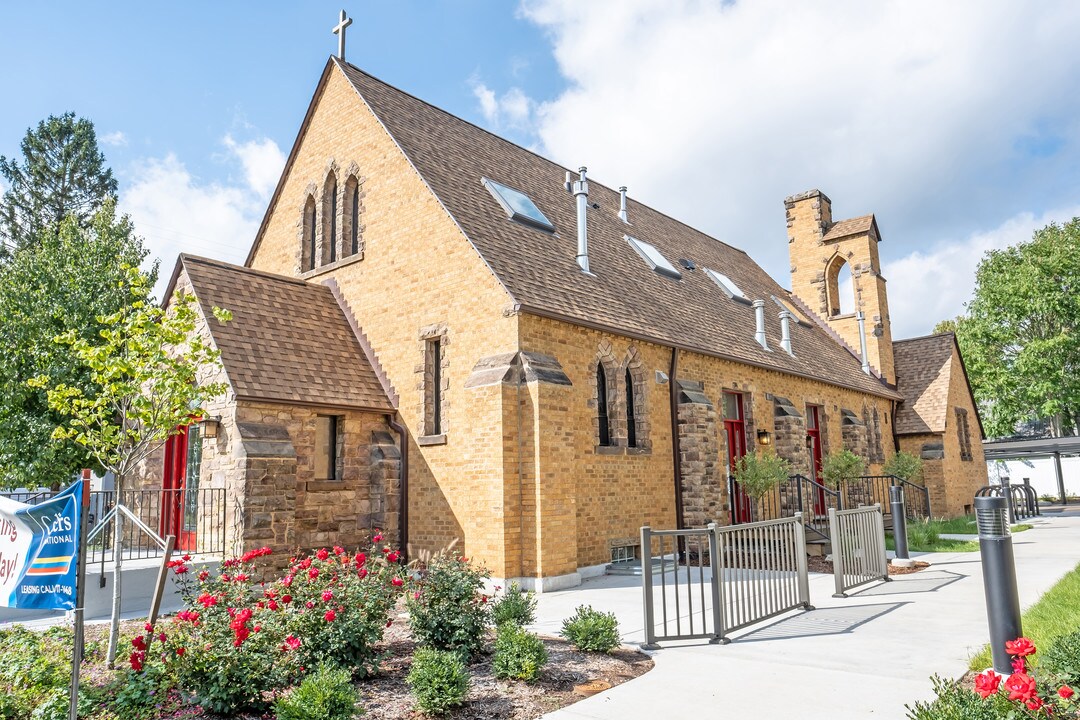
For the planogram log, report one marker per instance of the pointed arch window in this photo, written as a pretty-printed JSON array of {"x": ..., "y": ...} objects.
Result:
[
  {"x": 631, "y": 418},
  {"x": 330, "y": 221},
  {"x": 840, "y": 287},
  {"x": 352, "y": 208},
  {"x": 309, "y": 234},
  {"x": 604, "y": 424}
]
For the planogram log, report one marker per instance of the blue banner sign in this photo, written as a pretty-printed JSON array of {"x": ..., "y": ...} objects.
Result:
[{"x": 39, "y": 551}]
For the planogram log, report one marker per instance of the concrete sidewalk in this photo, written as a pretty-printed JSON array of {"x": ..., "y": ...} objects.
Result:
[{"x": 864, "y": 656}]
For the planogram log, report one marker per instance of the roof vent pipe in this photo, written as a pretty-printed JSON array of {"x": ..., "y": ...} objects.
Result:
[
  {"x": 580, "y": 189},
  {"x": 785, "y": 332},
  {"x": 759, "y": 316},
  {"x": 861, "y": 319},
  {"x": 622, "y": 205}
]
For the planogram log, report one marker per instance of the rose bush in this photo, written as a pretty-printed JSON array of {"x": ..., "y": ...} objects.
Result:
[
  {"x": 1034, "y": 693},
  {"x": 239, "y": 641}
]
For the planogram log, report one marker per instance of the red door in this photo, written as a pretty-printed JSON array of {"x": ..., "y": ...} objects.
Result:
[
  {"x": 735, "y": 425},
  {"x": 180, "y": 485},
  {"x": 813, "y": 432}
]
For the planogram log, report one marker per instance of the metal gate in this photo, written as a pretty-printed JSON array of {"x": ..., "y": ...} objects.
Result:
[
  {"x": 712, "y": 581},
  {"x": 858, "y": 545}
]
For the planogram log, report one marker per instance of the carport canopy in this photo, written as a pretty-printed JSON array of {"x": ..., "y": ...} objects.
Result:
[{"x": 1055, "y": 448}]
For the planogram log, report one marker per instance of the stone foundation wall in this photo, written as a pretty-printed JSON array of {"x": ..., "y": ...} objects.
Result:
[{"x": 704, "y": 485}]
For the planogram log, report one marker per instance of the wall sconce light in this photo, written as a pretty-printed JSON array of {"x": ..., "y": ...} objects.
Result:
[
  {"x": 208, "y": 426},
  {"x": 764, "y": 437},
  {"x": 809, "y": 440}
]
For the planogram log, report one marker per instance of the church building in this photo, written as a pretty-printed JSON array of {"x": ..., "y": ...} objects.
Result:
[{"x": 446, "y": 336}]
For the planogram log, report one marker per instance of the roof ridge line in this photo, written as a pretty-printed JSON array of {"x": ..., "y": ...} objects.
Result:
[
  {"x": 531, "y": 152},
  {"x": 243, "y": 268}
]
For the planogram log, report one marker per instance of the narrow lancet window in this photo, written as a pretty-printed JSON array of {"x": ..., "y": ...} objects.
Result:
[{"x": 604, "y": 427}]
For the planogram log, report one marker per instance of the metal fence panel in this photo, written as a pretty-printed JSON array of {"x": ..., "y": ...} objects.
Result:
[
  {"x": 858, "y": 545},
  {"x": 712, "y": 581}
]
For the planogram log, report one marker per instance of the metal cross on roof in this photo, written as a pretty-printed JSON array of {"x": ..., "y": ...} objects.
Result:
[{"x": 339, "y": 30}]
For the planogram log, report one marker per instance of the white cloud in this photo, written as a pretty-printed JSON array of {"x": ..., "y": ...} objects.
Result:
[
  {"x": 513, "y": 110},
  {"x": 262, "y": 161},
  {"x": 928, "y": 286},
  {"x": 114, "y": 139},
  {"x": 938, "y": 117}
]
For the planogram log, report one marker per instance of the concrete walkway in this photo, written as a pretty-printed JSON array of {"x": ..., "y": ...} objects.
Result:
[{"x": 864, "y": 656}]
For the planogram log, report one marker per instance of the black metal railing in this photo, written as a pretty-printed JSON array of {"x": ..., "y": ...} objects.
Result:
[
  {"x": 798, "y": 494},
  {"x": 874, "y": 490},
  {"x": 196, "y": 518}
]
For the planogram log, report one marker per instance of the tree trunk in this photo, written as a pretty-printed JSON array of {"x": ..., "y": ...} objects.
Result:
[{"x": 114, "y": 623}]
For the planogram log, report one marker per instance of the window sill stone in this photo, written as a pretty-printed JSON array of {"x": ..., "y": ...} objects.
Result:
[
  {"x": 610, "y": 450},
  {"x": 323, "y": 485},
  {"x": 333, "y": 266},
  {"x": 427, "y": 440}
]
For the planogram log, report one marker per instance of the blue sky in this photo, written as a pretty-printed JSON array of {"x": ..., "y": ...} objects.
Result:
[{"x": 955, "y": 123}]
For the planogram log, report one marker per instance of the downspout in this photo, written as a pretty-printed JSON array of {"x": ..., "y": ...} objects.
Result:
[
  {"x": 676, "y": 453},
  {"x": 403, "y": 485}
]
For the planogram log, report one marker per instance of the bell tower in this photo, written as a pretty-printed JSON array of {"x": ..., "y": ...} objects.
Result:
[{"x": 823, "y": 255}]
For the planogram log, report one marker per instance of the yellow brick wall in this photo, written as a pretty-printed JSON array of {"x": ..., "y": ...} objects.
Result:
[
  {"x": 615, "y": 494},
  {"x": 417, "y": 272}
]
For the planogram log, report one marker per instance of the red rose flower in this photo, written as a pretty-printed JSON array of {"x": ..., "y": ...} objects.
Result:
[
  {"x": 309, "y": 604},
  {"x": 376, "y": 538},
  {"x": 389, "y": 622},
  {"x": 185, "y": 558},
  {"x": 136, "y": 661},
  {"x": 273, "y": 605},
  {"x": 286, "y": 599},
  {"x": 313, "y": 573},
  {"x": 203, "y": 574},
  {"x": 1019, "y": 665},
  {"x": 393, "y": 557},
  {"x": 987, "y": 683},
  {"x": 361, "y": 573},
  {"x": 330, "y": 616},
  {"x": 1021, "y": 686},
  {"x": 360, "y": 559},
  {"x": 1020, "y": 647},
  {"x": 338, "y": 550},
  {"x": 138, "y": 642},
  {"x": 397, "y": 582},
  {"x": 148, "y": 628},
  {"x": 1034, "y": 703},
  {"x": 1065, "y": 692},
  {"x": 291, "y": 643},
  {"x": 180, "y": 569},
  {"x": 180, "y": 651},
  {"x": 322, "y": 554},
  {"x": 327, "y": 596}
]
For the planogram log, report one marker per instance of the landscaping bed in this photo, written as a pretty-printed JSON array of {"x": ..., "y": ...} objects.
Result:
[
  {"x": 818, "y": 564},
  {"x": 335, "y": 635}
]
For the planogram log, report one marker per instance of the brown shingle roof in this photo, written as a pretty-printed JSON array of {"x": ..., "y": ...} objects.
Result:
[
  {"x": 853, "y": 226},
  {"x": 288, "y": 340},
  {"x": 923, "y": 368},
  {"x": 539, "y": 270}
]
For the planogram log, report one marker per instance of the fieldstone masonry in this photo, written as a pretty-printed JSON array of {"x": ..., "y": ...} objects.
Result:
[{"x": 703, "y": 479}]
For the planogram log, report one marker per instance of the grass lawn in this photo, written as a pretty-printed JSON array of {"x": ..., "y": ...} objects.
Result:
[
  {"x": 938, "y": 545},
  {"x": 1056, "y": 613},
  {"x": 925, "y": 536},
  {"x": 964, "y": 525}
]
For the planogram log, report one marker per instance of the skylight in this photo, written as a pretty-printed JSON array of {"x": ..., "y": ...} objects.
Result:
[
  {"x": 652, "y": 256},
  {"x": 518, "y": 205},
  {"x": 730, "y": 288}
]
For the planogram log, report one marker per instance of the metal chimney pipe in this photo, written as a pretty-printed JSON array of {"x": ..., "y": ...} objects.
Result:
[
  {"x": 581, "y": 195},
  {"x": 759, "y": 317},
  {"x": 861, "y": 319},
  {"x": 785, "y": 331},
  {"x": 622, "y": 205}
]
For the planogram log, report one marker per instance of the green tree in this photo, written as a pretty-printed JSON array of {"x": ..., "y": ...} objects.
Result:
[
  {"x": 71, "y": 277},
  {"x": 842, "y": 466},
  {"x": 149, "y": 372},
  {"x": 947, "y": 326},
  {"x": 759, "y": 474},
  {"x": 62, "y": 173},
  {"x": 906, "y": 466},
  {"x": 1021, "y": 333}
]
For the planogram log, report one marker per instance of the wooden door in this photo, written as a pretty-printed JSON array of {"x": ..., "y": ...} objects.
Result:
[
  {"x": 180, "y": 487},
  {"x": 813, "y": 431},
  {"x": 735, "y": 425}
]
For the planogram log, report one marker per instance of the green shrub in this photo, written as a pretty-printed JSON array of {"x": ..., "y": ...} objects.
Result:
[
  {"x": 36, "y": 669},
  {"x": 142, "y": 695},
  {"x": 591, "y": 630},
  {"x": 956, "y": 702},
  {"x": 238, "y": 641},
  {"x": 449, "y": 610},
  {"x": 905, "y": 465},
  {"x": 841, "y": 466},
  {"x": 438, "y": 680},
  {"x": 1062, "y": 658},
  {"x": 922, "y": 534},
  {"x": 326, "y": 694},
  {"x": 519, "y": 655},
  {"x": 515, "y": 607}
]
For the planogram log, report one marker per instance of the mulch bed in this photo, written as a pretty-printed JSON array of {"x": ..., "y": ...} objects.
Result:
[
  {"x": 569, "y": 676},
  {"x": 819, "y": 564},
  {"x": 386, "y": 696}
]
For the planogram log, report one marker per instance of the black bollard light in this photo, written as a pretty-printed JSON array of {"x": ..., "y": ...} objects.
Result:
[
  {"x": 899, "y": 526},
  {"x": 999, "y": 577}
]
